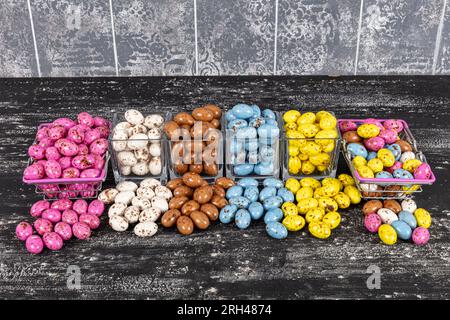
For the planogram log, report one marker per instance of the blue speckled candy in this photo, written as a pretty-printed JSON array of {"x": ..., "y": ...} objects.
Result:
[
  {"x": 246, "y": 133},
  {"x": 264, "y": 169},
  {"x": 272, "y": 202},
  {"x": 403, "y": 230},
  {"x": 256, "y": 110},
  {"x": 251, "y": 193},
  {"x": 267, "y": 192},
  {"x": 241, "y": 202},
  {"x": 242, "y": 111},
  {"x": 371, "y": 155},
  {"x": 256, "y": 122},
  {"x": 229, "y": 116},
  {"x": 396, "y": 150},
  {"x": 286, "y": 195},
  {"x": 269, "y": 114},
  {"x": 273, "y": 182},
  {"x": 242, "y": 219},
  {"x": 402, "y": 174},
  {"x": 356, "y": 149},
  {"x": 247, "y": 182},
  {"x": 266, "y": 153},
  {"x": 256, "y": 210},
  {"x": 276, "y": 230},
  {"x": 236, "y": 146},
  {"x": 272, "y": 122},
  {"x": 227, "y": 213},
  {"x": 234, "y": 191},
  {"x": 253, "y": 157},
  {"x": 268, "y": 131},
  {"x": 243, "y": 169},
  {"x": 408, "y": 217},
  {"x": 251, "y": 144},
  {"x": 383, "y": 175},
  {"x": 275, "y": 214}
]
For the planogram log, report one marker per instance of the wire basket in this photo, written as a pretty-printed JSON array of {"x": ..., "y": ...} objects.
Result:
[
  {"x": 74, "y": 188},
  {"x": 388, "y": 188}
]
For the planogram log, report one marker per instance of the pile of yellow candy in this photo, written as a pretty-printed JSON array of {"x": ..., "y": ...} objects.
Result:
[
  {"x": 317, "y": 203},
  {"x": 311, "y": 139}
]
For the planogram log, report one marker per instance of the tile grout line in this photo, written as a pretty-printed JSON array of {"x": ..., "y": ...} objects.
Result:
[
  {"x": 437, "y": 46},
  {"x": 36, "y": 53},
  {"x": 358, "y": 37},
  {"x": 116, "y": 61},
  {"x": 196, "y": 37},
  {"x": 275, "y": 40}
]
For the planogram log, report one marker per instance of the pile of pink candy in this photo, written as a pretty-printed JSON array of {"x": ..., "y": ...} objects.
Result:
[
  {"x": 57, "y": 222},
  {"x": 68, "y": 149}
]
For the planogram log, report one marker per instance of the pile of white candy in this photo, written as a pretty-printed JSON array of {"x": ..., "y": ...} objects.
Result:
[
  {"x": 131, "y": 204},
  {"x": 137, "y": 143}
]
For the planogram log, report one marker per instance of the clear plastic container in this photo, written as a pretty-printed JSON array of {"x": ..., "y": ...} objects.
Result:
[
  {"x": 329, "y": 172},
  {"x": 147, "y": 154},
  {"x": 231, "y": 159}
]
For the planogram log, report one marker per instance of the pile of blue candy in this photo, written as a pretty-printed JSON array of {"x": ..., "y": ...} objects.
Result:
[
  {"x": 246, "y": 203},
  {"x": 253, "y": 140}
]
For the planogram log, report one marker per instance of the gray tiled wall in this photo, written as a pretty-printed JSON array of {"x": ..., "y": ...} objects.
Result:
[{"x": 223, "y": 37}]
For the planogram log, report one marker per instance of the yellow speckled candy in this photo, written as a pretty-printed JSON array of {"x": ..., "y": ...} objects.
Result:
[
  {"x": 359, "y": 161},
  {"x": 293, "y": 150},
  {"x": 309, "y": 130},
  {"x": 291, "y": 116},
  {"x": 411, "y": 165},
  {"x": 319, "y": 229},
  {"x": 346, "y": 180},
  {"x": 328, "y": 204},
  {"x": 368, "y": 130},
  {"x": 423, "y": 218},
  {"x": 310, "y": 148},
  {"x": 296, "y": 138},
  {"x": 331, "y": 189},
  {"x": 294, "y": 165},
  {"x": 365, "y": 172},
  {"x": 333, "y": 219},
  {"x": 303, "y": 156},
  {"x": 342, "y": 200},
  {"x": 306, "y": 118},
  {"x": 304, "y": 205},
  {"x": 332, "y": 181},
  {"x": 310, "y": 182},
  {"x": 289, "y": 209},
  {"x": 292, "y": 184},
  {"x": 294, "y": 223},
  {"x": 387, "y": 234},
  {"x": 321, "y": 159},
  {"x": 308, "y": 167},
  {"x": 290, "y": 126},
  {"x": 353, "y": 193},
  {"x": 324, "y": 137},
  {"x": 411, "y": 189},
  {"x": 322, "y": 113},
  {"x": 386, "y": 156},
  {"x": 375, "y": 164},
  {"x": 328, "y": 147},
  {"x": 322, "y": 168},
  {"x": 315, "y": 214},
  {"x": 304, "y": 193},
  {"x": 328, "y": 122}
]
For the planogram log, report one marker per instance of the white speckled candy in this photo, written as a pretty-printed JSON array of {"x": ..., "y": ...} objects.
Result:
[
  {"x": 125, "y": 170},
  {"x": 150, "y": 182},
  {"x": 155, "y": 166},
  {"x": 387, "y": 216},
  {"x": 150, "y": 214},
  {"x": 122, "y": 126},
  {"x": 107, "y": 196},
  {"x": 118, "y": 223},
  {"x": 140, "y": 128},
  {"x": 145, "y": 192},
  {"x": 142, "y": 203},
  {"x": 117, "y": 209},
  {"x": 140, "y": 169},
  {"x": 132, "y": 214},
  {"x": 164, "y": 192},
  {"x": 134, "y": 117},
  {"x": 142, "y": 155},
  {"x": 160, "y": 203},
  {"x": 137, "y": 141},
  {"x": 126, "y": 158},
  {"x": 127, "y": 186},
  {"x": 154, "y": 134},
  {"x": 145, "y": 229},
  {"x": 155, "y": 149},
  {"x": 121, "y": 143},
  {"x": 409, "y": 205},
  {"x": 153, "y": 121},
  {"x": 124, "y": 197}
]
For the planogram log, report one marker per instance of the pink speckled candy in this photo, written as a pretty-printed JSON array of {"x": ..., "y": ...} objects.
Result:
[
  {"x": 42, "y": 133},
  {"x": 90, "y": 173},
  {"x": 99, "y": 147},
  {"x": 53, "y": 169},
  {"x": 389, "y": 136},
  {"x": 375, "y": 122},
  {"x": 42, "y": 226},
  {"x": 66, "y": 193},
  {"x": 70, "y": 173},
  {"x": 374, "y": 144},
  {"x": 423, "y": 171},
  {"x": 104, "y": 131},
  {"x": 66, "y": 147},
  {"x": 56, "y": 132},
  {"x": 81, "y": 230},
  {"x": 70, "y": 217},
  {"x": 88, "y": 190},
  {"x": 83, "y": 149},
  {"x": 53, "y": 241},
  {"x": 100, "y": 121},
  {"x": 62, "y": 204},
  {"x": 34, "y": 172},
  {"x": 36, "y": 152},
  {"x": 83, "y": 162},
  {"x": 80, "y": 206},
  {"x": 52, "y": 153},
  {"x": 65, "y": 162},
  {"x": 46, "y": 142},
  {"x": 91, "y": 135},
  {"x": 85, "y": 119},
  {"x": 393, "y": 124},
  {"x": 34, "y": 244},
  {"x": 96, "y": 207},
  {"x": 420, "y": 236},
  {"x": 24, "y": 230},
  {"x": 65, "y": 122},
  {"x": 38, "y": 207},
  {"x": 345, "y": 126},
  {"x": 52, "y": 215},
  {"x": 372, "y": 222},
  {"x": 397, "y": 165},
  {"x": 64, "y": 230},
  {"x": 99, "y": 162},
  {"x": 92, "y": 221},
  {"x": 50, "y": 190},
  {"x": 76, "y": 134}
]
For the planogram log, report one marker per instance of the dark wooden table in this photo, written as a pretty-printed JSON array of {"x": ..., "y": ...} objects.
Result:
[{"x": 225, "y": 262}]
